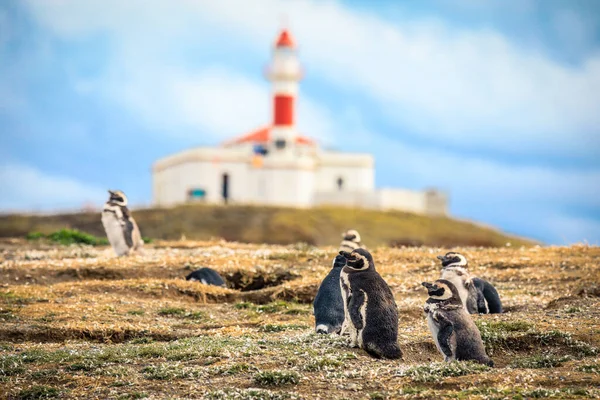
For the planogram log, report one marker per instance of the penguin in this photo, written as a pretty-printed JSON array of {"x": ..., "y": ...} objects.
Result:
[
  {"x": 206, "y": 276},
  {"x": 478, "y": 295},
  {"x": 371, "y": 314},
  {"x": 328, "y": 306},
  {"x": 122, "y": 231},
  {"x": 488, "y": 300},
  {"x": 455, "y": 334},
  {"x": 350, "y": 241}
]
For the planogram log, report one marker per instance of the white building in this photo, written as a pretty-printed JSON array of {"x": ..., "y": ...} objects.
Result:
[{"x": 275, "y": 165}]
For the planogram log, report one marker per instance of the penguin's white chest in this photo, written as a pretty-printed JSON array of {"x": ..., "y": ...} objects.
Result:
[
  {"x": 458, "y": 282},
  {"x": 114, "y": 233},
  {"x": 434, "y": 329},
  {"x": 346, "y": 292}
]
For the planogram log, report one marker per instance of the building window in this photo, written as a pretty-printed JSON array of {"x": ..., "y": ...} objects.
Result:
[
  {"x": 340, "y": 183},
  {"x": 280, "y": 144},
  {"x": 225, "y": 188},
  {"x": 196, "y": 194}
]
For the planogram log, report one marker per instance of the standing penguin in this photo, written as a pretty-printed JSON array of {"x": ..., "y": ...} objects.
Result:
[
  {"x": 455, "y": 334},
  {"x": 371, "y": 314},
  {"x": 477, "y": 295},
  {"x": 328, "y": 305},
  {"x": 121, "y": 229},
  {"x": 206, "y": 276},
  {"x": 350, "y": 241}
]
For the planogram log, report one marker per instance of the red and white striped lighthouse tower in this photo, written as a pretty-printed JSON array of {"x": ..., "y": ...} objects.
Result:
[{"x": 285, "y": 74}]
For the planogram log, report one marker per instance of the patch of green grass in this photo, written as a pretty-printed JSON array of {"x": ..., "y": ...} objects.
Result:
[
  {"x": 166, "y": 371},
  {"x": 276, "y": 378},
  {"x": 573, "y": 310},
  {"x": 7, "y": 314},
  {"x": 11, "y": 365},
  {"x": 85, "y": 365},
  {"x": 136, "y": 312},
  {"x": 432, "y": 372},
  {"x": 44, "y": 373},
  {"x": 234, "y": 369},
  {"x": 280, "y": 327},
  {"x": 35, "y": 236},
  {"x": 540, "y": 361},
  {"x": 589, "y": 368},
  {"x": 73, "y": 236},
  {"x": 322, "y": 364},
  {"x": 181, "y": 313},
  {"x": 132, "y": 396},
  {"x": 38, "y": 392},
  {"x": 249, "y": 394},
  {"x": 147, "y": 240}
]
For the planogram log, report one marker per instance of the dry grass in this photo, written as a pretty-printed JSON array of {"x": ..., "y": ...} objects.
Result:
[{"x": 75, "y": 322}]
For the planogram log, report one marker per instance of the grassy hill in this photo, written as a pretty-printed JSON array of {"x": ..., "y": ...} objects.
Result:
[{"x": 319, "y": 226}]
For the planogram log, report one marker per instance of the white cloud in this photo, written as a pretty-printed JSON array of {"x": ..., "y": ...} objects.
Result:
[
  {"x": 472, "y": 88},
  {"x": 28, "y": 189}
]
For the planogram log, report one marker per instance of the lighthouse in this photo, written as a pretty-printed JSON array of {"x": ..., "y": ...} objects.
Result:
[
  {"x": 277, "y": 165},
  {"x": 285, "y": 73}
]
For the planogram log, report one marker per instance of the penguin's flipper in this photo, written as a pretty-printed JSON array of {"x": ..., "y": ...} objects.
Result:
[
  {"x": 444, "y": 334},
  {"x": 128, "y": 232},
  {"x": 357, "y": 300}
]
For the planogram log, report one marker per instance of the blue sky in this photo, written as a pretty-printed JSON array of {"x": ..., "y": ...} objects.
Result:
[{"x": 496, "y": 102}]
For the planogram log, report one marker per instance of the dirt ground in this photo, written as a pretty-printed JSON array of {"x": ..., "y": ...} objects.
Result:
[{"x": 77, "y": 322}]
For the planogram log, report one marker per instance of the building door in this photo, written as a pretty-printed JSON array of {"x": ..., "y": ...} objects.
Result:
[{"x": 225, "y": 188}]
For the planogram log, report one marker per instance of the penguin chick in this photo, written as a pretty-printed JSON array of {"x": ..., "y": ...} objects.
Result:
[
  {"x": 120, "y": 227},
  {"x": 328, "y": 305},
  {"x": 371, "y": 315},
  {"x": 206, "y": 276},
  {"x": 477, "y": 295},
  {"x": 350, "y": 241},
  {"x": 455, "y": 334}
]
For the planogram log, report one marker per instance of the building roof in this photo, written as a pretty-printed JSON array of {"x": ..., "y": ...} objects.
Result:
[
  {"x": 285, "y": 39},
  {"x": 262, "y": 135}
]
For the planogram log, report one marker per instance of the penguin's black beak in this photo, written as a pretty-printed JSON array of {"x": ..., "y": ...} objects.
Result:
[
  {"x": 427, "y": 284},
  {"x": 345, "y": 254},
  {"x": 441, "y": 258}
]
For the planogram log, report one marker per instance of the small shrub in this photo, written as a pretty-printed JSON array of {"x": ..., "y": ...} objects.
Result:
[
  {"x": 35, "y": 236},
  {"x": 276, "y": 378},
  {"x": 70, "y": 236},
  {"x": 38, "y": 392},
  {"x": 432, "y": 372},
  {"x": 147, "y": 240}
]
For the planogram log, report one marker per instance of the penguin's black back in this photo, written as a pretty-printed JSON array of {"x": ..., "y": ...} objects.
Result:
[
  {"x": 208, "y": 275},
  {"x": 490, "y": 294},
  {"x": 329, "y": 304}
]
